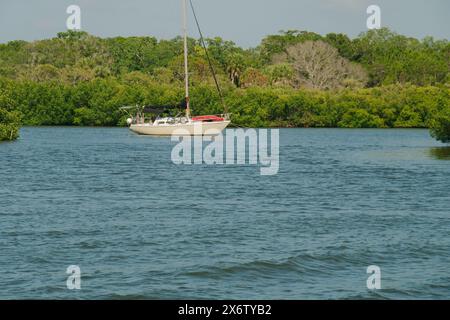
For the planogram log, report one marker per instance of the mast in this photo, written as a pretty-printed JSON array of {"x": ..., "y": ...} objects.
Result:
[{"x": 186, "y": 68}]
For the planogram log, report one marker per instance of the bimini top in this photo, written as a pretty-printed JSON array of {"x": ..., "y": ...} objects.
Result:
[
  {"x": 153, "y": 109},
  {"x": 161, "y": 109}
]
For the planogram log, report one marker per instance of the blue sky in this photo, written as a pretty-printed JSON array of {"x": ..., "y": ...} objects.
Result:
[{"x": 245, "y": 22}]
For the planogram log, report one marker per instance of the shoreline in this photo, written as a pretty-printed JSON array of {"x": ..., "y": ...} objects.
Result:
[{"x": 231, "y": 127}]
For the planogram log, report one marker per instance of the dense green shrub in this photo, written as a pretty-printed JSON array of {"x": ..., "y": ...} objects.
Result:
[
  {"x": 97, "y": 103},
  {"x": 9, "y": 125},
  {"x": 440, "y": 126}
]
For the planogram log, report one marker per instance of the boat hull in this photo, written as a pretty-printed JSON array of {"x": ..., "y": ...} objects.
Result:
[{"x": 188, "y": 129}]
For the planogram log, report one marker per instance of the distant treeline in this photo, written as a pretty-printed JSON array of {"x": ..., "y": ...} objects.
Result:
[{"x": 294, "y": 79}]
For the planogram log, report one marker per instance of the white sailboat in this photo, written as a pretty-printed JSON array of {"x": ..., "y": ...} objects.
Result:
[{"x": 180, "y": 125}]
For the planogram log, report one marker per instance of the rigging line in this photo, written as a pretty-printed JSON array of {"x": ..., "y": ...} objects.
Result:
[{"x": 209, "y": 60}]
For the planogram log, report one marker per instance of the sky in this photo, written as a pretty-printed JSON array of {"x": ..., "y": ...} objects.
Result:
[{"x": 246, "y": 22}]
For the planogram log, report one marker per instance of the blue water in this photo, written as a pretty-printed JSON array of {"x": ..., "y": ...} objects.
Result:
[{"x": 142, "y": 227}]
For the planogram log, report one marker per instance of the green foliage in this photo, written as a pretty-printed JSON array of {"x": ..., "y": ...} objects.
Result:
[
  {"x": 9, "y": 125},
  {"x": 97, "y": 103},
  {"x": 343, "y": 43},
  {"x": 360, "y": 118},
  {"x": 75, "y": 56},
  {"x": 440, "y": 125},
  {"x": 392, "y": 58},
  {"x": 133, "y": 53},
  {"x": 276, "y": 44},
  {"x": 280, "y": 74},
  {"x": 79, "y": 79}
]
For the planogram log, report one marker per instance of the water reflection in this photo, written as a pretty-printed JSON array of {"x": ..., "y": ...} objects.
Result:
[{"x": 442, "y": 153}]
